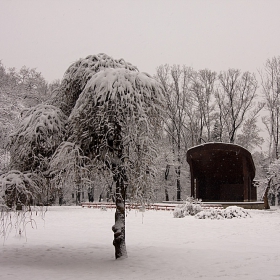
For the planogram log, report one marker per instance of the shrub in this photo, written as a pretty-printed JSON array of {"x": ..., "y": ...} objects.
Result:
[
  {"x": 190, "y": 208},
  {"x": 228, "y": 213},
  {"x": 236, "y": 212},
  {"x": 211, "y": 213}
]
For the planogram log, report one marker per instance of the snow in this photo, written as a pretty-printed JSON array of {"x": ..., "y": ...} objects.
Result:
[{"x": 76, "y": 243}]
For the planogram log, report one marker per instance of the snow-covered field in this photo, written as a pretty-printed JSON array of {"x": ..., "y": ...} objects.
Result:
[{"x": 76, "y": 243}]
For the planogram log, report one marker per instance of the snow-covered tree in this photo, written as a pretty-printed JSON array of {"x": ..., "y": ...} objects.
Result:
[
  {"x": 104, "y": 117},
  {"x": 18, "y": 188},
  {"x": 36, "y": 138},
  {"x": 274, "y": 179},
  {"x": 18, "y": 90},
  {"x": 249, "y": 137},
  {"x": 77, "y": 76},
  {"x": 217, "y": 131},
  {"x": 18, "y": 191},
  {"x": 116, "y": 121}
]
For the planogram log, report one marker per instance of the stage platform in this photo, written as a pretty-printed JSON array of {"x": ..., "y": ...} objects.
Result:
[{"x": 224, "y": 204}]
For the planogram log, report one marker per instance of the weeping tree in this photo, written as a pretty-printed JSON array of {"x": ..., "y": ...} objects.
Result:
[
  {"x": 17, "y": 190},
  {"x": 116, "y": 121},
  {"x": 104, "y": 116},
  {"x": 77, "y": 76},
  {"x": 40, "y": 132}
]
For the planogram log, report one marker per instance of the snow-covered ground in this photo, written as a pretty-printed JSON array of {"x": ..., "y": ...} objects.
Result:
[{"x": 76, "y": 243}]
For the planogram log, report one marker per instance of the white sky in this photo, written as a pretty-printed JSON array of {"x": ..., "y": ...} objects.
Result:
[{"x": 50, "y": 35}]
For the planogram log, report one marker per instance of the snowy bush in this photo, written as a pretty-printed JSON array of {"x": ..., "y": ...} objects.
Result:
[
  {"x": 235, "y": 212},
  {"x": 228, "y": 213},
  {"x": 211, "y": 213},
  {"x": 190, "y": 208}
]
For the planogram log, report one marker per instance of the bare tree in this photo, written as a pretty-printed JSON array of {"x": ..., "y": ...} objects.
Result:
[
  {"x": 32, "y": 86},
  {"x": 176, "y": 82},
  {"x": 235, "y": 95},
  {"x": 270, "y": 81},
  {"x": 203, "y": 87}
]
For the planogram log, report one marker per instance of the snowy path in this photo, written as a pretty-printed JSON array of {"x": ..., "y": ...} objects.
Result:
[{"x": 76, "y": 243}]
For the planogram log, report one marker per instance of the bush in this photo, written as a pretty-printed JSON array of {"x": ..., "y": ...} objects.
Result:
[
  {"x": 211, "y": 213},
  {"x": 236, "y": 212},
  {"x": 190, "y": 208},
  {"x": 228, "y": 213}
]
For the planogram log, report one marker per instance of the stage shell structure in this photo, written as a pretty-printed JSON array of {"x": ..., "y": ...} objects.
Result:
[{"x": 221, "y": 172}]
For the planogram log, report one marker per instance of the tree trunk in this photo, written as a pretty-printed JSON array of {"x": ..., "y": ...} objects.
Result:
[
  {"x": 166, "y": 194},
  {"x": 178, "y": 180},
  {"x": 166, "y": 177},
  {"x": 277, "y": 134},
  {"x": 119, "y": 226},
  {"x": 265, "y": 196},
  {"x": 276, "y": 192}
]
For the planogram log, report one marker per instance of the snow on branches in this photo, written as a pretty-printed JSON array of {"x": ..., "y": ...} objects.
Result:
[
  {"x": 19, "y": 188},
  {"x": 133, "y": 93},
  {"x": 194, "y": 207},
  {"x": 273, "y": 179},
  {"x": 79, "y": 73},
  {"x": 40, "y": 131},
  {"x": 117, "y": 117},
  {"x": 114, "y": 116},
  {"x": 118, "y": 96},
  {"x": 69, "y": 166},
  {"x": 19, "y": 191}
]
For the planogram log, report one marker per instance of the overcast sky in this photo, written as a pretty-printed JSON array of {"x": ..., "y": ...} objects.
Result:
[{"x": 50, "y": 35}]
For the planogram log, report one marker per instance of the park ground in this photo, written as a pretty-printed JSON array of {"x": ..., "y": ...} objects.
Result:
[{"x": 75, "y": 243}]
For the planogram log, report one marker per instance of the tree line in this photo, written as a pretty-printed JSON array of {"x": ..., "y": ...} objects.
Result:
[
  {"x": 201, "y": 106},
  {"x": 19, "y": 90}
]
